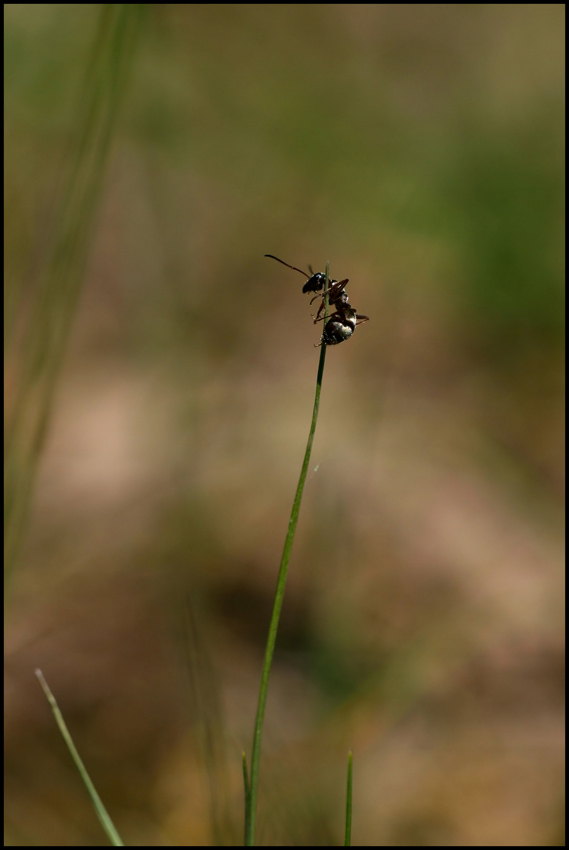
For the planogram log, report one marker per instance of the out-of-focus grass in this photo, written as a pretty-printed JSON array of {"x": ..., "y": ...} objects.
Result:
[
  {"x": 42, "y": 341},
  {"x": 419, "y": 148},
  {"x": 349, "y": 784}
]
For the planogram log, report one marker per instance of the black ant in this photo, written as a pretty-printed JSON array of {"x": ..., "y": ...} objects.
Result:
[{"x": 341, "y": 324}]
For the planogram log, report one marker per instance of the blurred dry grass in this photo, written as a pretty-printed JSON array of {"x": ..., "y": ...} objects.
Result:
[{"x": 420, "y": 150}]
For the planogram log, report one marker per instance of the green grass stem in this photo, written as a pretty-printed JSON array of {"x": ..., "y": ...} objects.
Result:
[
  {"x": 348, "y": 837},
  {"x": 251, "y": 802},
  {"x": 102, "y": 813}
]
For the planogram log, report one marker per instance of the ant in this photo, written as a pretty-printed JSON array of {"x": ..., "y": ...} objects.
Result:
[{"x": 341, "y": 324}]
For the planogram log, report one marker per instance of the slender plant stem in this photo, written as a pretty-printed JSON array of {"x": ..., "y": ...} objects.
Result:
[
  {"x": 102, "y": 813},
  {"x": 251, "y": 802},
  {"x": 348, "y": 838}
]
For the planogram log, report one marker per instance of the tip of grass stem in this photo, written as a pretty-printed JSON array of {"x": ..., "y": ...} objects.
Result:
[{"x": 100, "y": 809}]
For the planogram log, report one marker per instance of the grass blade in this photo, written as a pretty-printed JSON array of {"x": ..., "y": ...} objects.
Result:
[
  {"x": 102, "y": 813},
  {"x": 207, "y": 715},
  {"x": 251, "y": 803},
  {"x": 348, "y": 837}
]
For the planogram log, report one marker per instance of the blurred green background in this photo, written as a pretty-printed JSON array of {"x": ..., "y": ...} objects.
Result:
[{"x": 159, "y": 378}]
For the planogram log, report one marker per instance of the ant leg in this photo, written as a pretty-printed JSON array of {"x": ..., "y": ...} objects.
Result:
[
  {"x": 334, "y": 289},
  {"x": 334, "y": 292},
  {"x": 362, "y": 319},
  {"x": 322, "y": 305},
  {"x": 317, "y": 317},
  {"x": 338, "y": 285},
  {"x": 339, "y": 316},
  {"x": 336, "y": 316}
]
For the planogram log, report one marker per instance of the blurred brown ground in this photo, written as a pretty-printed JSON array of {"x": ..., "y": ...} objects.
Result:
[{"x": 419, "y": 149}]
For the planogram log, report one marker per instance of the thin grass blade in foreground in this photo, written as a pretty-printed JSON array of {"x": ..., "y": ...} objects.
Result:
[
  {"x": 207, "y": 713},
  {"x": 102, "y": 813},
  {"x": 251, "y": 797},
  {"x": 348, "y": 838}
]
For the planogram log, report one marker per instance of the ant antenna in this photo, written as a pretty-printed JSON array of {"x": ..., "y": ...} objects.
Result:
[{"x": 294, "y": 268}]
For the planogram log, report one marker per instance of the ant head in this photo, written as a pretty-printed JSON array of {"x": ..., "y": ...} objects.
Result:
[
  {"x": 316, "y": 280},
  {"x": 315, "y": 283}
]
